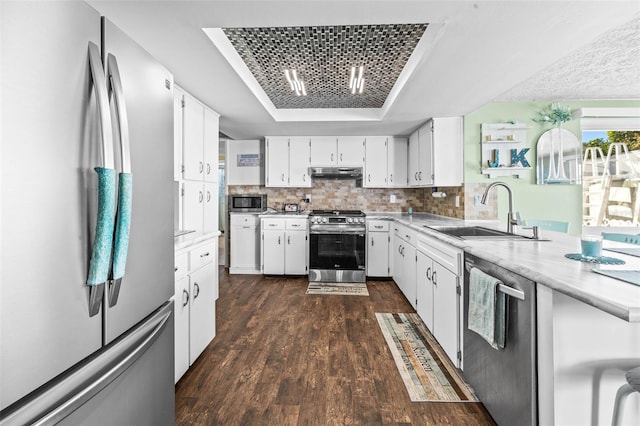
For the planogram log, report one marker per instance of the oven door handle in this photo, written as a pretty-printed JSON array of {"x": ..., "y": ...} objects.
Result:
[{"x": 338, "y": 232}]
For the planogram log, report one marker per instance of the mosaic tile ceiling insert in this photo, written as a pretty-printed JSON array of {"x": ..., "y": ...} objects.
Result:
[{"x": 323, "y": 57}]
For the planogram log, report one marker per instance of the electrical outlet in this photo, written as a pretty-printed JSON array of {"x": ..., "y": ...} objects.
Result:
[
  {"x": 457, "y": 201},
  {"x": 392, "y": 198},
  {"x": 307, "y": 198}
]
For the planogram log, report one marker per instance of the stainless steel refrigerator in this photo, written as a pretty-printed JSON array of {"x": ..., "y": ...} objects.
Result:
[{"x": 86, "y": 207}]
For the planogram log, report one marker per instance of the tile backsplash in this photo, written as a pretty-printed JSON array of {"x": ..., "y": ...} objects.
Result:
[{"x": 344, "y": 194}]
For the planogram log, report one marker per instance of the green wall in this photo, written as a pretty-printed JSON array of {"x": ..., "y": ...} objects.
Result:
[{"x": 550, "y": 202}]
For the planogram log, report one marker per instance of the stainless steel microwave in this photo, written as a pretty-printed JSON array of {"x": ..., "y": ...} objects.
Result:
[{"x": 247, "y": 202}]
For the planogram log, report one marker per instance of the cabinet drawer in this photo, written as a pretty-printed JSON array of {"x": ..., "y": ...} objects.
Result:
[
  {"x": 244, "y": 219},
  {"x": 271, "y": 223},
  {"x": 405, "y": 233},
  {"x": 181, "y": 265},
  {"x": 296, "y": 224},
  {"x": 376, "y": 225},
  {"x": 202, "y": 255},
  {"x": 448, "y": 256}
]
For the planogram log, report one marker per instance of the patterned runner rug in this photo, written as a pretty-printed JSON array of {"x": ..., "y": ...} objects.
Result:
[
  {"x": 424, "y": 367},
  {"x": 344, "y": 289}
]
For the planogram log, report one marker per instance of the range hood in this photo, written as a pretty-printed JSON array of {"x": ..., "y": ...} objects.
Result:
[{"x": 336, "y": 172}]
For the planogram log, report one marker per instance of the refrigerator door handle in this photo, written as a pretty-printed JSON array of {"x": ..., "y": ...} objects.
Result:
[
  {"x": 55, "y": 401},
  {"x": 103, "y": 239},
  {"x": 125, "y": 189}
]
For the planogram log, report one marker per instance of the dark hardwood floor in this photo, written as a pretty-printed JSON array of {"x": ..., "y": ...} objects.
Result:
[{"x": 281, "y": 357}]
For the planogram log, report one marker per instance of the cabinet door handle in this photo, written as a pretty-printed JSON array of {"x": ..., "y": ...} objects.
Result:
[
  {"x": 204, "y": 254},
  {"x": 201, "y": 196},
  {"x": 208, "y": 168},
  {"x": 391, "y": 178},
  {"x": 420, "y": 176},
  {"x": 282, "y": 177},
  {"x": 415, "y": 177},
  {"x": 304, "y": 177},
  {"x": 175, "y": 269},
  {"x": 433, "y": 278},
  {"x": 185, "y": 298},
  {"x": 278, "y": 240},
  {"x": 208, "y": 196},
  {"x": 332, "y": 157},
  {"x": 429, "y": 273},
  {"x": 371, "y": 242},
  {"x": 295, "y": 225},
  {"x": 289, "y": 240},
  {"x": 197, "y": 292},
  {"x": 200, "y": 166},
  {"x": 341, "y": 157},
  {"x": 369, "y": 177},
  {"x": 378, "y": 226},
  {"x": 246, "y": 227}
]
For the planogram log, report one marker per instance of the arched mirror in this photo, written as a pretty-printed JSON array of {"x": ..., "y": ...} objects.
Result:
[{"x": 559, "y": 158}]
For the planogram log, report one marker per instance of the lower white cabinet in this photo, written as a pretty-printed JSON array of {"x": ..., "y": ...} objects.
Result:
[
  {"x": 439, "y": 301},
  {"x": 404, "y": 261},
  {"x": 245, "y": 244},
  {"x": 284, "y": 246},
  {"x": 378, "y": 248},
  {"x": 196, "y": 290}
]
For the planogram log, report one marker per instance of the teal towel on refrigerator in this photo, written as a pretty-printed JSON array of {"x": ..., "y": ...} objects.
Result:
[
  {"x": 487, "y": 308},
  {"x": 103, "y": 240}
]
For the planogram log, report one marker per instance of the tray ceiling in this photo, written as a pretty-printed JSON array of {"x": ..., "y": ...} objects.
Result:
[{"x": 323, "y": 57}]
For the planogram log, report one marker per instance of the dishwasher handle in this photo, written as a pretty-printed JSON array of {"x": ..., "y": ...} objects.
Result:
[{"x": 509, "y": 291}]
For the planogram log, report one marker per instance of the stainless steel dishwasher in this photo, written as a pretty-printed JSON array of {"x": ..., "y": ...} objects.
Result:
[{"x": 505, "y": 380}]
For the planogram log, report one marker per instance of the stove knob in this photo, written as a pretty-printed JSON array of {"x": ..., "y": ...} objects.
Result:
[
  {"x": 362, "y": 220},
  {"x": 349, "y": 220},
  {"x": 325, "y": 220}
]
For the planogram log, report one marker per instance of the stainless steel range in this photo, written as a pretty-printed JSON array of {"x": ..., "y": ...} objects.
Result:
[{"x": 337, "y": 246}]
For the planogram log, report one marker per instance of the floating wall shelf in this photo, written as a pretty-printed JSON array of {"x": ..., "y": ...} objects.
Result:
[{"x": 498, "y": 141}]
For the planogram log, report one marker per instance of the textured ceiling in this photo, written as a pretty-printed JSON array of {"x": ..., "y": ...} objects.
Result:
[
  {"x": 323, "y": 57},
  {"x": 608, "y": 68}
]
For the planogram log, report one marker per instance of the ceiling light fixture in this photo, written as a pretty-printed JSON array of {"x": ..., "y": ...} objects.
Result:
[
  {"x": 356, "y": 84},
  {"x": 296, "y": 84}
]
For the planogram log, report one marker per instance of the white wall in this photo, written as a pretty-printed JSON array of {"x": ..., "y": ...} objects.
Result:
[{"x": 243, "y": 175}]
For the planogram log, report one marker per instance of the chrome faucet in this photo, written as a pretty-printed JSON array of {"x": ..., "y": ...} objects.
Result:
[{"x": 513, "y": 219}]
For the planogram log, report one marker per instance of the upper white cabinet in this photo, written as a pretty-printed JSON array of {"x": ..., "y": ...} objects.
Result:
[
  {"x": 324, "y": 151},
  {"x": 351, "y": 150},
  {"x": 385, "y": 162},
  {"x": 211, "y": 145},
  {"x": 331, "y": 151},
  {"x": 435, "y": 153},
  {"x": 397, "y": 162},
  {"x": 375, "y": 165},
  {"x": 178, "y": 98},
  {"x": 288, "y": 160}
]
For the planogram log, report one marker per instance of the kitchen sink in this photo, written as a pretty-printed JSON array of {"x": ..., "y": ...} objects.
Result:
[{"x": 478, "y": 233}]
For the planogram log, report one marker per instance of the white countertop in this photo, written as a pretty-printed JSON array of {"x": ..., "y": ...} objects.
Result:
[
  {"x": 193, "y": 238},
  {"x": 543, "y": 262}
]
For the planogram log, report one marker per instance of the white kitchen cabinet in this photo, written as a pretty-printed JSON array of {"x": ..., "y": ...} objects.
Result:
[
  {"x": 404, "y": 261},
  {"x": 196, "y": 290},
  {"x": 245, "y": 244},
  {"x": 439, "y": 275},
  {"x": 277, "y": 162},
  {"x": 397, "y": 162},
  {"x": 324, "y": 151},
  {"x": 435, "y": 153},
  {"x": 193, "y": 138},
  {"x": 202, "y": 314},
  {"x": 284, "y": 246},
  {"x": 331, "y": 151},
  {"x": 375, "y": 164},
  {"x": 196, "y": 163},
  {"x": 287, "y": 162},
  {"x": 378, "y": 248},
  {"x": 200, "y": 206},
  {"x": 178, "y": 96},
  {"x": 351, "y": 150},
  {"x": 210, "y": 145},
  {"x": 299, "y": 161}
]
